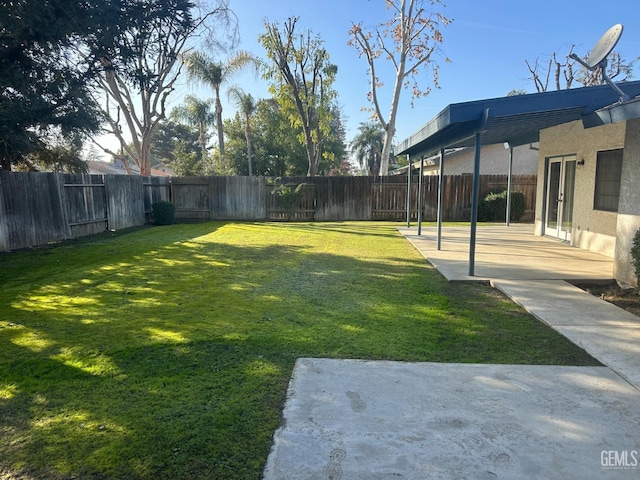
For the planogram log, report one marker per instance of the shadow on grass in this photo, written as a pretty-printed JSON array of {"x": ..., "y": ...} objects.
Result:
[{"x": 166, "y": 353}]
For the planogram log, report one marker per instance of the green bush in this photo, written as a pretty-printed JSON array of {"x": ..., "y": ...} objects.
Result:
[
  {"x": 163, "y": 213},
  {"x": 635, "y": 255},
  {"x": 494, "y": 207},
  {"x": 289, "y": 196}
]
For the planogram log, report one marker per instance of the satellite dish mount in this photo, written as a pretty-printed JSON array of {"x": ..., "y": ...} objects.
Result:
[{"x": 598, "y": 57}]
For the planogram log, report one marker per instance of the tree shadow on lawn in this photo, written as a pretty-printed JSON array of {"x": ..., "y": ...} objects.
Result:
[{"x": 166, "y": 354}]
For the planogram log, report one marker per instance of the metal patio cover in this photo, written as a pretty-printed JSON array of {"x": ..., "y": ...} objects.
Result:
[{"x": 516, "y": 119}]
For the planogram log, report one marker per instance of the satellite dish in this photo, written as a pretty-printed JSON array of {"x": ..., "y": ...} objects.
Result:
[
  {"x": 605, "y": 46},
  {"x": 598, "y": 57}
]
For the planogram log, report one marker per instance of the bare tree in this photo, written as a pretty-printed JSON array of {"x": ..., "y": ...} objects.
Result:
[
  {"x": 136, "y": 92},
  {"x": 561, "y": 74},
  {"x": 408, "y": 40},
  {"x": 617, "y": 67}
]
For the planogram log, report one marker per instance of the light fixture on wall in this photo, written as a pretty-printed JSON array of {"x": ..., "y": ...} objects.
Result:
[{"x": 581, "y": 162}]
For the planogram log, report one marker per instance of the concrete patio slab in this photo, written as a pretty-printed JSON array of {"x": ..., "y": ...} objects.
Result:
[
  {"x": 350, "y": 419},
  {"x": 509, "y": 253}
]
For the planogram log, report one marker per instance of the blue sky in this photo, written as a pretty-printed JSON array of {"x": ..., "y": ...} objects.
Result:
[{"x": 488, "y": 43}]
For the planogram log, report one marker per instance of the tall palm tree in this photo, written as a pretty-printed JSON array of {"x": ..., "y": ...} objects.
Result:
[
  {"x": 202, "y": 68},
  {"x": 246, "y": 107},
  {"x": 198, "y": 113},
  {"x": 367, "y": 146}
]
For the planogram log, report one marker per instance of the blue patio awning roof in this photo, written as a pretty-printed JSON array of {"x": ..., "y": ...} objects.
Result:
[{"x": 517, "y": 119}]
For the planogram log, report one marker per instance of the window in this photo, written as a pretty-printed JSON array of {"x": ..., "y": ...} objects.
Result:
[{"x": 608, "y": 174}]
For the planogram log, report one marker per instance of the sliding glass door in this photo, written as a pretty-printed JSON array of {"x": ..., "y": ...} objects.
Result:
[{"x": 561, "y": 176}]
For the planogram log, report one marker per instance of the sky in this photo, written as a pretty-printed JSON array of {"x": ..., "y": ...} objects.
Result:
[{"x": 487, "y": 43}]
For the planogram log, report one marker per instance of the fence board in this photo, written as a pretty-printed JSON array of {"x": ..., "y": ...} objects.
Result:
[
  {"x": 343, "y": 198},
  {"x": 125, "y": 201},
  {"x": 191, "y": 197},
  {"x": 32, "y": 210},
  {"x": 84, "y": 203},
  {"x": 38, "y": 208},
  {"x": 238, "y": 198}
]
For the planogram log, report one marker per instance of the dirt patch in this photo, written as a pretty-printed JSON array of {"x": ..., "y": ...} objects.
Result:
[{"x": 627, "y": 298}]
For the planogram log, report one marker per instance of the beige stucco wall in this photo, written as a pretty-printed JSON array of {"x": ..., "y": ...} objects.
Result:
[
  {"x": 608, "y": 233},
  {"x": 592, "y": 229},
  {"x": 629, "y": 208},
  {"x": 494, "y": 160}
]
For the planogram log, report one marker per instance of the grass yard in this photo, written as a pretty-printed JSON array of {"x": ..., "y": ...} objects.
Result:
[{"x": 165, "y": 352}]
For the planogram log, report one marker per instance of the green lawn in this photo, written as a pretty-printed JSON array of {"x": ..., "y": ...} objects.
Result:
[{"x": 165, "y": 352}]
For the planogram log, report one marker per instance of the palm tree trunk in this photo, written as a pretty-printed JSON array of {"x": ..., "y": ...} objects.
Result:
[
  {"x": 247, "y": 134},
  {"x": 219, "y": 128},
  {"x": 202, "y": 140}
]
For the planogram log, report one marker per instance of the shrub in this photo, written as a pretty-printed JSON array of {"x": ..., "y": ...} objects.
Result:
[
  {"x": 635, "y": 255},
  {"x": 289, "y": 196},
  {"x": 163, "y": 213},
  {"x": 494, "y": 207}
]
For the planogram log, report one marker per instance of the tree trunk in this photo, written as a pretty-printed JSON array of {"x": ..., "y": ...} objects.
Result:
[
  {"x": 202, "y": 141},
  {"x": 247, "y": 134},
  {"x": 390, "y": 126},
  {"x": 311, "y": 153},
  {"x": 389, "y": 133},
  {"x": 145, "y": 156},
  {"x": 223, "y": 163}
]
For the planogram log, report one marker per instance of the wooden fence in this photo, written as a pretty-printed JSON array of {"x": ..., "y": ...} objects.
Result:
[{"x": 39, "y": 208}]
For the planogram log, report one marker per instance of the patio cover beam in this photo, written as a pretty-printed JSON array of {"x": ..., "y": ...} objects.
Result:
[{"x": 517, "y": 120}]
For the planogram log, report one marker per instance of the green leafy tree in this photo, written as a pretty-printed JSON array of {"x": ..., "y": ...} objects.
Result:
[
  {"x": 167, "y": 134},
  {"x": 62, "y": 158},
  {"x": 302, "y": 76},
  {"x": 44, "y": 93},
  {"x": 408, "y": 40},
  {"x": 276, "y": 150},
  {"x": 367, "y": 147},
  {"x": 197, "y": 113},
  {"x": 215, "y": 74},
  {"x": 277, "y": 142},
  {"x": 186, "y": 162},
  {"x": 246, "y": 107},
  {"x": 335, "y": 153}
]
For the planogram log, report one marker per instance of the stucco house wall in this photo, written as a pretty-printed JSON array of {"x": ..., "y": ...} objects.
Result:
[
  {"x": 608, "y": 233},
  {"x": 629, "y": 207},
  {"x": 494, "y": 160}
]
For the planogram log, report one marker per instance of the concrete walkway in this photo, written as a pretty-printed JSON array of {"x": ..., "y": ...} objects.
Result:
[
  {"x": 352, "y": 419},
  {"x": 606, "y": 332}
]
